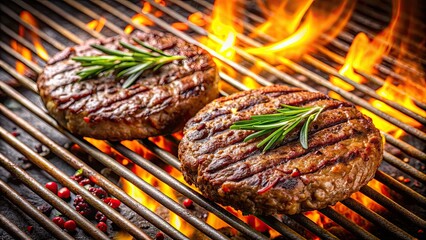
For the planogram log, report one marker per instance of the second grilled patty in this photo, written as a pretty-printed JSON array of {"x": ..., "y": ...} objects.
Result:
[
  {"x": 157, "y": 103},
  {"x": 345, "y": 149}
]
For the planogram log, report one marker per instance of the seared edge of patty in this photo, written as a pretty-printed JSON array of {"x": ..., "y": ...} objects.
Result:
[
  {"x": 344, "y": 152},
  {"x": 158, "y": 103}
]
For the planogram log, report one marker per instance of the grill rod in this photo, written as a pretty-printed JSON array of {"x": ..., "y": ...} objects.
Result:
[
  {"x": 74, "y": 187},
  {"x": 12, "y": 229},
  {"x": 407, "y": 148},
  {"x": 366, "y": 190},
  {"x": 47, "y": 195},
  {"x": 393, "y": 206},
  {"x": 116, "y": 167},
  {"x": 281, "y": 226},
  {"x": 291, "y": 64},
  {"x": 295, "y": 82},
  {"x": 335, "y": 41},
  {"x": 169, "y": 158},
  {"x": 92, "y": 174},
  {"x": 407, "y": 168},
  {"x": 376, "y": 219},
  {"x": 183, "y": 189},
  {"x": 64, "y": 154},
  {"x": 238, "y": 224},
  {"x": 31, "y": 211}
]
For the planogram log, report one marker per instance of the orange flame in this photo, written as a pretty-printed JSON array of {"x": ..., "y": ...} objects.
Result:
[
  {"x": 28, "y": 18},
  {"x": 97, "y": 25},
  {"x": 297, "y": 24},
  {"x": 392, "y": 93},
  {"x": 25, "y": 52},
  {"x": 139, "y": 195},
  {"x": 365, "y": 53}
]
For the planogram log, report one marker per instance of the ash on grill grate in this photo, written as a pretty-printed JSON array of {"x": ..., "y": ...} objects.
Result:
[{"x": 405, "y": 165}]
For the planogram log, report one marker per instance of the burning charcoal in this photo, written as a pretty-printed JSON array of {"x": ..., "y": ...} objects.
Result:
[
  {"x": 30, "y": 229},
  {"x": 45, "y": 208}
]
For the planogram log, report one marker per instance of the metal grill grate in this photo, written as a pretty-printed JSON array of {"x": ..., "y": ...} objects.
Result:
[{"x": 119, "y": 12}]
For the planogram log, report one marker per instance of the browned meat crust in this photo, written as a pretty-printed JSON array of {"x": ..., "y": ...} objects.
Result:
[
  {"x": 158, "y": 103},
  {"x": 345, "y": 149}
]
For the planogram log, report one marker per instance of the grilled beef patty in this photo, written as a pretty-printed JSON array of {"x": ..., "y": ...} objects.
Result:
[
  {"x": 344, "y": 151},
  {"x": 157, "y": 103}
]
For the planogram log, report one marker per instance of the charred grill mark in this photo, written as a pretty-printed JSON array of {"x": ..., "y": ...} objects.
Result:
[
  {"x": 243, "y": 169},
  {"x": 235, "y": 137},
  {"x": 241, "y": 106},
  {"x": 287, "y": 181}
]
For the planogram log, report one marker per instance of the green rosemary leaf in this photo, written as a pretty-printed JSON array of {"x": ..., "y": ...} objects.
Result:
[
  {"x": 277, "y": 126},
  {"x": 132, "y": 78},
  {"x": 150, "y": 48},
  {"x": 257, "y": 134},
  {"x": 111, "y": 51},
  {"x": 129, "y": 64}
]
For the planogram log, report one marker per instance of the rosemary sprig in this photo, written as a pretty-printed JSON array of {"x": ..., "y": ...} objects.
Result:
[
  {"x": 127, "y": 64},
  {"x": 278, "y": 125}
]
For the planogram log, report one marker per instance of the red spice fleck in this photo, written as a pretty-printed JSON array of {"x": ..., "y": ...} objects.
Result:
[
  {"x": 159, "y": 236},
  {"x": 30, "y": 229},
  {"x": 102, "y": 226},
  {"x": 226, "y": 189},
  {"x": 52, "y": 186},
  {"x": 86, "y": 119},
  {"x": 268, "y": 187},
  {"x": 64, "y": 193},
  {"x": 59, "y": 221},
  {"x": 70, "y": 225},
  {"x": 188, "y": 203},
  {"x": 114, "y": 203},
  {"x": 15, "y": 133},
  {"x": 295, "y": 173}
]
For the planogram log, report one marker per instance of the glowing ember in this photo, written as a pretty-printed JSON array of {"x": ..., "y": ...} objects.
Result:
[
  {"x": 140, "y": 19},
  {"x": 97, "y": 25},
  {"x": 197, "y": 19},
  {"x": 180, "y": 26}
]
